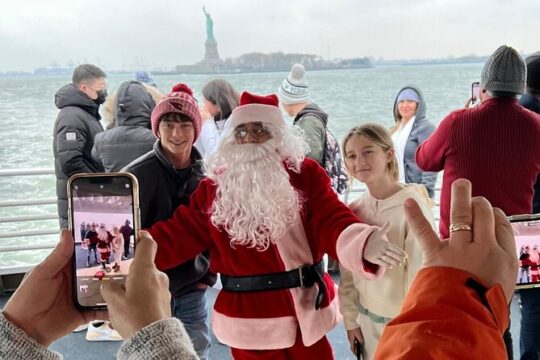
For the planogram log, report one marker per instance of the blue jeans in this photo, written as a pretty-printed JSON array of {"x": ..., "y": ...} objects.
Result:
[
  {"x": 529, "y": 337},
  {"x": 192, "y": 310}
]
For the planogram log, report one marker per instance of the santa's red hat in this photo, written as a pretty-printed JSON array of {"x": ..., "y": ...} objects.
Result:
[
  {"x": 180, "y": 101},
  {"x": 256, "y": 108}
]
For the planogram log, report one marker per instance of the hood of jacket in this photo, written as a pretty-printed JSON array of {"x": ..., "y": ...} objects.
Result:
[
  {"x": 70, "y": 95},
  {"x": 531, "y": 102},
  {"x": 314, "y": 110},
  {"x": 133, "y": 105},
  {"x": 420, "y": 110}
]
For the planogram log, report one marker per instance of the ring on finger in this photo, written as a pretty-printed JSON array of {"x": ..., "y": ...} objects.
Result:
[{"x": 460, "y": 227}]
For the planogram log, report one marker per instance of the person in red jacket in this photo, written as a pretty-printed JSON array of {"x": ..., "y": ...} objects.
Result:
[
  {"x": 267, "y": 215},
  {"x": 457, "y": 307},
  {"x": 495, "y": 145}
]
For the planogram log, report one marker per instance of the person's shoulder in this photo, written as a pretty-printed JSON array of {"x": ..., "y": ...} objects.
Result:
[
  {"x": 423, "y": 124},
  {"x": 143, "y": 163},
  {"x": 357, "y": 205}
]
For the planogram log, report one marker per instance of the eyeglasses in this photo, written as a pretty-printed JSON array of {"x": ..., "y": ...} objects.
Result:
[{"x": 257, "y": 133}]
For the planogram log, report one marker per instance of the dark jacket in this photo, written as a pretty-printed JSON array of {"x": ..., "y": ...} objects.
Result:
[
  {"x": 73, "y": 138},
  {"x": 162, "y": 189},
  {"x": 313, "y": 121},
  {"x": 131, "y": 136},
  {"x": 532, "y": 103},
  {"x": 421, "y": 130}
]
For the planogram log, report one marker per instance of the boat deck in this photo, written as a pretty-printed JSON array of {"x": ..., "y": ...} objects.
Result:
[{"x": 76, "y": 347}]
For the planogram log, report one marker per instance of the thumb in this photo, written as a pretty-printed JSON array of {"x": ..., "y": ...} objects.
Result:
[
  {"x": 60, "y": 256},
  {"x": 112, "y": 292},
  {"x": 421, "y": 228}
]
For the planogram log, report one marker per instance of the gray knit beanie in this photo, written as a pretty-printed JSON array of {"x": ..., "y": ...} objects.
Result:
[
  {"x": 294, "y": 89},
  {"x": 504, "y": 71}
]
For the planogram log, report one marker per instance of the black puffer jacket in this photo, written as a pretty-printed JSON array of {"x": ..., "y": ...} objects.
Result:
[
  {"x": 73, "y": 138},
  {"x": 131, "y": 136},
  {"x": 162, "y": 189}
]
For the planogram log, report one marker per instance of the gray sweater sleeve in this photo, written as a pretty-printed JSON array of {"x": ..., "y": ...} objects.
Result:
[
  {"x": 165, "y": 339},
  {"x": 315, "y": 136},
  {"x": 15, "y": 344}
]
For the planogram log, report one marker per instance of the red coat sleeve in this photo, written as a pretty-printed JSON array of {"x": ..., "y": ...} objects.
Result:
[
  {"x": 186, "y": 233},
  {"x": 444, "y": 318},
  {"x": 328, "y": 215},
  {"x": 431, "y": 154}
]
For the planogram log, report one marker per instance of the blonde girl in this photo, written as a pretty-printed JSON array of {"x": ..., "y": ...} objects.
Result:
[
  {"x": 368, "y": 305},
  {"x": 117, "y": 247}
]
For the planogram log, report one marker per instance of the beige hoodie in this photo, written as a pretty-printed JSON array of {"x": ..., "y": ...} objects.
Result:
[{"x": 383, "y": 296}]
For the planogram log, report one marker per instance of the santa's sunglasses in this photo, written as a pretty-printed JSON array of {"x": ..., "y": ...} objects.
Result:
[{"x": 257, "y": 131}]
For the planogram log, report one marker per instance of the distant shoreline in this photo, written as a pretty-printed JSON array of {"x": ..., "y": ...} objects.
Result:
[{"x": 173, "y": 72}]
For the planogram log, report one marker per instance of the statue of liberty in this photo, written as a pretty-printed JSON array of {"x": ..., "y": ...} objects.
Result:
[{"x": 209, "y": 25}]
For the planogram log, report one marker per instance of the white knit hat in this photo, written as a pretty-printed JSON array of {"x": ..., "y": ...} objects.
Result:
[{"x": 294, "y": 88}]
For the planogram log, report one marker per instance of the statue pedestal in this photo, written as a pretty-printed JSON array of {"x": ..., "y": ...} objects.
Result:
[{"x": 211, "y": 54}]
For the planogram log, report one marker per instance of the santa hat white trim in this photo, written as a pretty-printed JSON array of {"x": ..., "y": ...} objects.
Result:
[{"x": 266, "y": 114}]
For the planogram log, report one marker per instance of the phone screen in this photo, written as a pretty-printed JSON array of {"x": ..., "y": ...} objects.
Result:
[
  {"x": 103, "y": 219},
  {"x": 475, "y": 91},
  {"x": 527, "y": 234}
]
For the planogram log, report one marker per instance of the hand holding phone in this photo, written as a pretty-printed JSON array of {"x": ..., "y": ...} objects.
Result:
[
  {"x": 42, "y": 306},
  {"x": 489, "y": 230},
  {"x": 145, "y": 298},
  {"x": 103, "y": 217},
  {"x": 358, "y": 347}
]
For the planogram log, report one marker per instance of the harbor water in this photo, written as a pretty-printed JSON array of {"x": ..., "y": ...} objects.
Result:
[{"x": 351, "y": 97}]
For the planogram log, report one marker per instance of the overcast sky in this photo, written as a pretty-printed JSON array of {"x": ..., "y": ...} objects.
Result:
[{"x": 132, "y": 33}]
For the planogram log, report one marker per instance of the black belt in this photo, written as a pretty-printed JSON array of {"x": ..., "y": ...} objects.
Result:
[{"x": 305, "y": 276}]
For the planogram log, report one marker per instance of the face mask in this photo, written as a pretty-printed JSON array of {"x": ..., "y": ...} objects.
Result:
[{"x": 101, "y": 96}]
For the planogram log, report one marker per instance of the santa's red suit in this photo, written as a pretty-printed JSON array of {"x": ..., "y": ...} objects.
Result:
[{"x": 270, "y": 319}]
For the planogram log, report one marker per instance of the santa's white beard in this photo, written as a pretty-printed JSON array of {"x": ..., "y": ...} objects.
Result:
[{"x": 255, "y": 202}]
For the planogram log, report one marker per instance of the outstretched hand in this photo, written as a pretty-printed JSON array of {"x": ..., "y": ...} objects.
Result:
[
  {"x": 43, "y": 306},
  {"x": 488, "y": 251},
  {"x": 380, "y": 251},
  {"x": 145, "y": 298}
]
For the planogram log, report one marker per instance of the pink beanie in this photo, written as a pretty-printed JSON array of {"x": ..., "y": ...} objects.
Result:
[
  {"x": 180, "y": 101},
  {"x": 255, "y": 108}
]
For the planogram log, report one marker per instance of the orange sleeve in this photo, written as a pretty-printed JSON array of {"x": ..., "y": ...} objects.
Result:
[{"x": 447, "y": 314}]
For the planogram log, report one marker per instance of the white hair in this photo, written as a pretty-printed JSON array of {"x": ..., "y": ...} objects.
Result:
[{"x": 255, "y": 202}]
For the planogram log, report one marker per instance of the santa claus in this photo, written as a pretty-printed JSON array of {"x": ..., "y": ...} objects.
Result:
[{"x": 267, "y": 215}]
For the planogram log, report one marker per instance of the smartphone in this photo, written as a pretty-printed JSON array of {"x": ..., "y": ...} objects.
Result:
[
  {"x": 104, "y": 219},
  {"x": 527, "y": 234},
  {"x": 475, "y": 91},
  {"x": 358, "y": 348}
]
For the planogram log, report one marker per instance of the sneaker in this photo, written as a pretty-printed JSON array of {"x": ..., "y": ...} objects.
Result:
[
  {"x": 81, "y": 328},
  {"x": 101, "y": 331}
]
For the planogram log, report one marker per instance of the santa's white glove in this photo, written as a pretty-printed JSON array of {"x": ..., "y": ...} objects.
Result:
[{"x": 378, "y": 250}]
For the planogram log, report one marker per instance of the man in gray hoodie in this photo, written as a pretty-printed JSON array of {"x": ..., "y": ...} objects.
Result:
[{"x": 75, "y": 128}]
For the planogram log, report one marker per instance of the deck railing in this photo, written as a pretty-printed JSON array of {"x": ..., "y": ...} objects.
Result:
[{"x": 356, "y": 191}]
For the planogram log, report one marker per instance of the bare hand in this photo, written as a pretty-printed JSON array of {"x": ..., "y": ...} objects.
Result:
[
  {"x": 488, "y": 251},
  {"x": 353, "y": 336},
  {"x": 378, "y": 250},
  {"x": 145, "y": 298},
  {"x": 43, "y": 306}
]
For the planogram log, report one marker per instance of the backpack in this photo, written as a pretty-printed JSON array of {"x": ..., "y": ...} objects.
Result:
[{"x": 333, "y": 163}]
